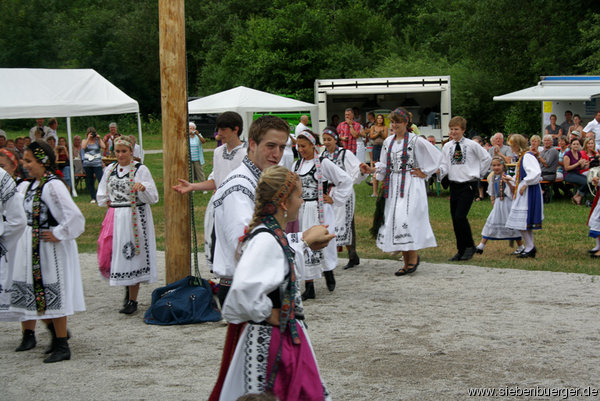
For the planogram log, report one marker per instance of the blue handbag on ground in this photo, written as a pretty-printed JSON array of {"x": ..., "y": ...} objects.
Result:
[{"x": 189, "y": 300}]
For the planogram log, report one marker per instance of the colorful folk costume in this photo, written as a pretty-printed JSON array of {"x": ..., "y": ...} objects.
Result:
[
  {"x": 315, "y": 176},
  {"x": 405, "y": 226},
  {"x": 47, "y": 278},
  {"x": 495, "y": 225},
  {"x": 527, "y": 211},
  {"x": 133, "y": 257},
  {"x": 269, "y": 358},
  {"x": 344, "y": 213},
  {"x": 12, "y": 226}
]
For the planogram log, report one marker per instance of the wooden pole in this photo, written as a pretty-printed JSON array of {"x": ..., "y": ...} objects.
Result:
[{"x": 171, "y": 14}]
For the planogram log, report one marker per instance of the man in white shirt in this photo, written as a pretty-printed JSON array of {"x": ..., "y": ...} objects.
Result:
[
  {"x": 302, "y": 125},
  {"x": 39, "y": 124},
  {"x": 594, "y": 126},
  {"x": 463, "y": 162}
]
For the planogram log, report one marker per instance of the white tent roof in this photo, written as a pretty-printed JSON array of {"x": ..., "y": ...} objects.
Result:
[
  {"x": 242, "y": 99},
  {"x": 568, "y": 88},
  {"x": 31, "y": 93},
  {"x": 246, "y": 102}
]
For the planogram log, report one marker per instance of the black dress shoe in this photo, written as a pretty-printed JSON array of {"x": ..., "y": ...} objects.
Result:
[
  {"x": 468, "y": 253},
  {"x": 61, "y": 351},
  {"x": 355, "y": 261},
  {"x": 309, "y": 291},
  {"x": 594, "y": 256},
  {"x": 330, "y": 280},
  {"x": 455, "y": 257},
  {"x": 129, "y": 308},
  {"x": 530, "y": 254},
  {"x": 27, "y": 342},
  {"x": 478, "y": 250}
]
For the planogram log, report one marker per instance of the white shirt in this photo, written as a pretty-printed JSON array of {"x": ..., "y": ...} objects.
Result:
[
  {"x": 594, "y": 126},
  {"x": 299, "y": 128},
  {"x": 224, "y": 162},
  {"x": 474, "y": 165},
  {"x": 234, "y": 206},
  {"x": 33, "y": 129}
]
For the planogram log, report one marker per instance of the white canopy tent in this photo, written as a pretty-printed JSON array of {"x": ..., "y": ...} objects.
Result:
[
  {"x": 558, "y": 94},
  {"x": 246, "y": 102},
  {"x": 36, "y": 93}
]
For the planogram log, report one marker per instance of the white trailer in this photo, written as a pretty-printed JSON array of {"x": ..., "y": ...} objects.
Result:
[{"x": 427, "y": 98}]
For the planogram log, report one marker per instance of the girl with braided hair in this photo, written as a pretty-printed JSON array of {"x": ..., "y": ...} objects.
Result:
[
  {"x": 274, "y": 354},
  {"x": 47, "y": 278},
  {"x": 401, "y": 223}
]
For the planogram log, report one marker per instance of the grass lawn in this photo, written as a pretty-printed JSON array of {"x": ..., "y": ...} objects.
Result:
[{"x": 561, "y": 245}]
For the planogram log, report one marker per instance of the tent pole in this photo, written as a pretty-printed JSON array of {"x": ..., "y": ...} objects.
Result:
[
  {"x": 171, "y": 17},
  {"x": 140, "y": 136},
  {"x": 70, "y": 143}
]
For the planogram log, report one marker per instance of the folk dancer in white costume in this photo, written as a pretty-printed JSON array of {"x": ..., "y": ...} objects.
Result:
[
  {"x": 345, "y": 231},
  {"x": 274, "y": 354},
  {"x": 234, "y": 206},
  {"x": 226, "y": 158},
  {"x": 527, "y": 210},
  {"x": 401, "y": 223},
  {"x": 128, "y": 188},
  {"x": 500, "y": 188},
  {"x": 47, "y": 278},
  {"x": 12, "y": 225},
  {"x": 317, "y": 207}
]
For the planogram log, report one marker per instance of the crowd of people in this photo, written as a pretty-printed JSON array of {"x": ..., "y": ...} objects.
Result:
[
  {"x": 271, "y": 224},
  {"x": 39, "y": 270}
]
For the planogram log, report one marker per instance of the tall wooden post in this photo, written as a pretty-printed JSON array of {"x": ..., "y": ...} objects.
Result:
[{"x": 174, "y": 132}]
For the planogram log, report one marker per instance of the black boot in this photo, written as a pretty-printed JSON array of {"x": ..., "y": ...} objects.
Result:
[
  {"x": 129, "y": 308},
  {"x": 52, "y": 345},
  {"x": 126, "y": 299},
  {"x": 61, "y": 351},
  {"x": 330, "y": 280},
  {"x": 28, "y": 342},
  {"x": 309, "y": 291},
  {"x": 353, "y": 260}
]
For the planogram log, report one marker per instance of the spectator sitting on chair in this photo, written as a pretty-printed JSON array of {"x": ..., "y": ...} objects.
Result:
[
  {"x": 568, "y": 123},
  {"x": 548, "y": 159},
  {"x": 554, "y": 129},
  {"x": 589, "y": 152},
  {"x": 499, "y": 148},
  {"x": 576, "y": 128},
  {"x": 574, "y": 162}
]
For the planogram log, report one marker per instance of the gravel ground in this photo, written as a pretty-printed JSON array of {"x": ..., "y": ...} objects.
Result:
[{"x": 428, "y": 336}]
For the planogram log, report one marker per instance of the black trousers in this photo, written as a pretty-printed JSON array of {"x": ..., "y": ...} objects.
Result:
[{"x": 461, "y": 199}]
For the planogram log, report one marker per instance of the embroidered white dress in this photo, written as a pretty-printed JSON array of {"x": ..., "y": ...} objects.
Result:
[
  {"x": 344, "y": 214},
  {"x": 519, "y": 217},
  {"x": 262, "y": 269},
  {"x": 224, "y": 162},
  {"x": 495, "y": 225},
  {"x": 406, "y": 225},
  {"x": 59, "y": 261},
  {"x": 12, "y": 226},
  {"x": 308, "y": 216},
  {"x": 127, "y": 267}
]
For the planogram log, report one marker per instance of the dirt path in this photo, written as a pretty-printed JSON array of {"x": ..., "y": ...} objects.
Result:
[{"x": 429, "y": 336}]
